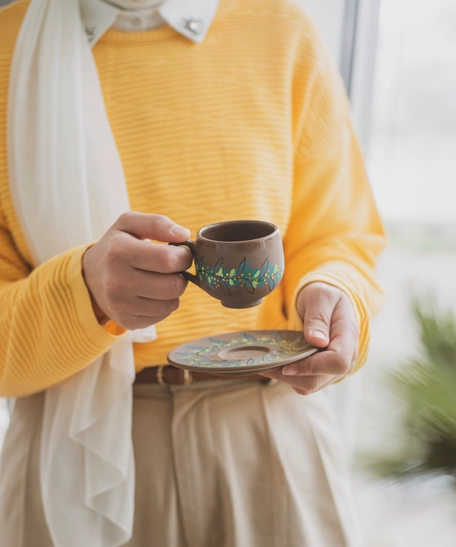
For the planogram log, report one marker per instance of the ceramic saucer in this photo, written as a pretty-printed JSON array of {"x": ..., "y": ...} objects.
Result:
[{"x": 242, "y": 352}]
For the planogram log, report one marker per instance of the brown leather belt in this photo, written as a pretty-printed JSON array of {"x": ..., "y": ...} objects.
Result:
[{"x": 169, "y": 375}]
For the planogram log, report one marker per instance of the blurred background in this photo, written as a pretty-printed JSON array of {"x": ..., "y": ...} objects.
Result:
[
  {"x": 397, "y": 58},
  {"x": 398, "y": 415}
]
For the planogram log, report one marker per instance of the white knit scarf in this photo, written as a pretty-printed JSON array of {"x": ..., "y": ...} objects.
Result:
[{"x": 68, "y": 188}]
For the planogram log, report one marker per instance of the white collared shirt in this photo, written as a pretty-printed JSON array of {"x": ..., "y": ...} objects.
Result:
[{"x": 191, "y": 19}]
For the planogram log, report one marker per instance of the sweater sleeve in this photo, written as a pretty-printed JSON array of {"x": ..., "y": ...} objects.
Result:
[
  {"x": 48, "y": 330},
  {"x": 335, "y": 233}
]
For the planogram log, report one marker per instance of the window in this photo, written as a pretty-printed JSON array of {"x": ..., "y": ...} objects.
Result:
[{"x": 412, "y": 152}]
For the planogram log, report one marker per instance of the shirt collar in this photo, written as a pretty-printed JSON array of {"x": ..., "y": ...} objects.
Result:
[{"x": 191, "y": 19}]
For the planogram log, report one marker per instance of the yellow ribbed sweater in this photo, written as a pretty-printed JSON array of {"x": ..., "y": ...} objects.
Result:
[{"x": 251, "y": 124}]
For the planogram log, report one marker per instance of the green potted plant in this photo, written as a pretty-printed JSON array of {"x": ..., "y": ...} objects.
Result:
[{"x": 426, "y": 385}]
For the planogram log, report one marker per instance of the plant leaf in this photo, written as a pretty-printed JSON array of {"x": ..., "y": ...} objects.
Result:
[
  {"x": 225, "y": 287},
  {"x": 264, "y": 267},
  {"x": 207, "y": 283},
  {"x": 200, "y": 264},
  {"x": 241, "y": 267},
  {"x": 248, "y": 286},
  {"x": 218, "y": 264}
]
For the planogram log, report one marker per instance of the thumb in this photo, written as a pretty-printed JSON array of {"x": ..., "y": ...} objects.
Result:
[
  {"x": 158, "y": 227},
  {"x": 318, "y": 312},
  {"x": 317, "y": 330}
]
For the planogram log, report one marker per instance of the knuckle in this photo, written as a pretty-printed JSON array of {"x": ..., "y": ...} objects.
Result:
[
  {"x": 341, "y": 364},
  {"x": 160, "y": 221},
  {"x": 125, "y": 218},
  {"x": 168, "y": 260},
  {"x": 114, "y": 250}
]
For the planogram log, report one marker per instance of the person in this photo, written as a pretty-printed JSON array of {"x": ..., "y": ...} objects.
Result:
[{"x": 204, "y": 112}]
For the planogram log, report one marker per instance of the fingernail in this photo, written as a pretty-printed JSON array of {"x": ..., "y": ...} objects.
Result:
[
  {"x": 290, "y": 371},
  {"x": 318, "y": 334},
  {"x": 178, "y": 230}
]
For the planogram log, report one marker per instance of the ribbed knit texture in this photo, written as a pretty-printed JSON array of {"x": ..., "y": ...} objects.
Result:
[{"x": 251, "y": 124}]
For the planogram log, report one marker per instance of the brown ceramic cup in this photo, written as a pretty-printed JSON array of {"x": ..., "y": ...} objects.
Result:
[{"x": 239, "y": 262}]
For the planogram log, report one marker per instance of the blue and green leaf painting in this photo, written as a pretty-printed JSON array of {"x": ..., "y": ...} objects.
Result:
[
  {"x": 207, "y": 355},
  {"x": 230, "y": 279}
]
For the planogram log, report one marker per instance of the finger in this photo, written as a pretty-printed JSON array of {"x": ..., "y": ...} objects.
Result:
[
  {"x": 338, "y": 358},
  {"x": 331, "y": 380},
  {"x": 330, "y": 361},
  {"x": 146, "y": 226},
  {"x": 134, "y": 322},
  {"x": 155, "y": 286},
  {"x": 147, "y": 307},
  {"x": 341, "y": 352},
  {"x": 147, "y": 255},
  {"x": 319, "y": 307},
  {"x": 307, "y": 384}
]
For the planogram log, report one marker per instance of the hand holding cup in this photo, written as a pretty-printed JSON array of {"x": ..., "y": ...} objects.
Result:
[{"x": 132, "y": 280}]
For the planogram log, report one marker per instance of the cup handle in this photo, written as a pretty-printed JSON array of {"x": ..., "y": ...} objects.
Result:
[{"x": 192, "y": 246}]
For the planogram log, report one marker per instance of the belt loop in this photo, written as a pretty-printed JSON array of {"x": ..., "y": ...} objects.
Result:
[
  {"x": 188, "y": 377},
  {"x": 160, "y": 379}
]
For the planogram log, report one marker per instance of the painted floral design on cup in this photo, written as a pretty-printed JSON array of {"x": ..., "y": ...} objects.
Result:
[
  {"x": 238, "y": 262},
  {"x": 243, "y": 276}
]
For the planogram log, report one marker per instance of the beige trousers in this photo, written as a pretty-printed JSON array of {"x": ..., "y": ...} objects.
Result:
[{"x": 218, "y": 464}]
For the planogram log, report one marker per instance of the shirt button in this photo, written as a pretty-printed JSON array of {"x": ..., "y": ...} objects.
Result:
[{"x": 193, "y": 25}]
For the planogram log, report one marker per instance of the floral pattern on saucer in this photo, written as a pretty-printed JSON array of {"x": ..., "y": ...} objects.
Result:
[{"x": 205, "y": 353}]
